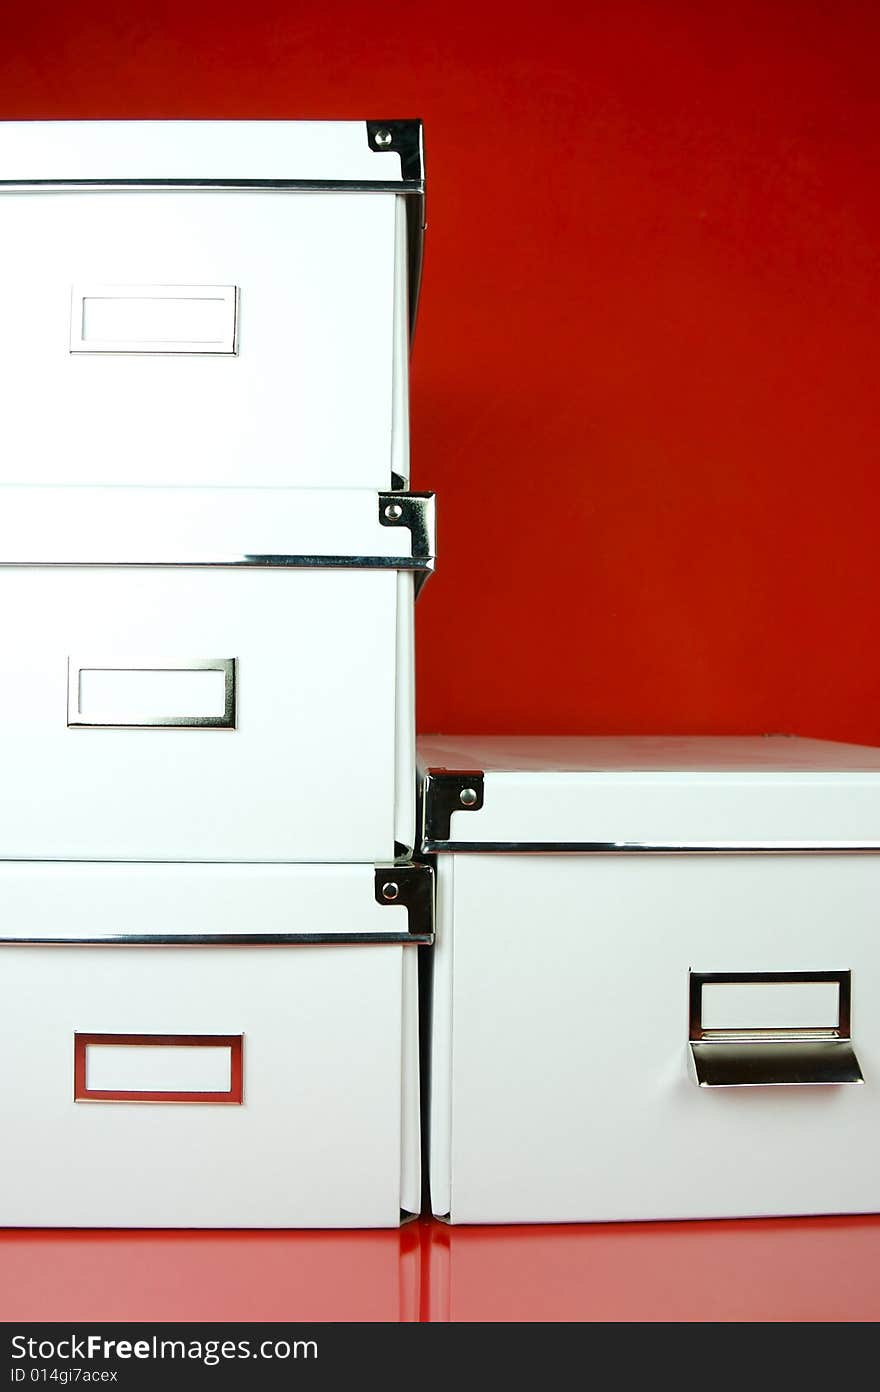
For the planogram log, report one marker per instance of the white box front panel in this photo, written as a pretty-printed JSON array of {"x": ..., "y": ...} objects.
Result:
[
  {"x": 561, "y": 1085},
  {"x": 315, "y": 1142},
  {"x": 311, "y": 770},
  {"x": 194, "y": 337}
]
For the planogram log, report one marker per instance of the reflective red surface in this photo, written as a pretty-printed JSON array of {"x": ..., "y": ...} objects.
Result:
[{"x": 815, "y": 1269}]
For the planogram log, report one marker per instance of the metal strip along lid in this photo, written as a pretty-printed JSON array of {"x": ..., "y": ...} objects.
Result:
[
  {"x": 771, "y": 795},
  {"x": 284, "y": 528},
  {"x": 374, "y": 156}
]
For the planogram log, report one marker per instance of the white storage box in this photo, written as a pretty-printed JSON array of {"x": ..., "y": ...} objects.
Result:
[
  {"x": 208, "y": 302},
  {"x": 208, "y": 674},
  {"x": 656, "y": 980},
  {"x": 267, "y": 1013}
]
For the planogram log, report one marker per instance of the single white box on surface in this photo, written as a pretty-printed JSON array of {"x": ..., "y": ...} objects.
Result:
[
  {"x": 209, "y": 302},
  {"x": 656, "y": 978},
  {"x": 210, "y": 1046},
  {"x": 209, "y": 674}
]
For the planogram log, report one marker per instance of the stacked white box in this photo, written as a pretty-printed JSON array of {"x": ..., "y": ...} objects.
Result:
[
  {"x": 655, "y": 978},
  {"x": 209, "y": 302},
  {"x": 208, "y": 566}
]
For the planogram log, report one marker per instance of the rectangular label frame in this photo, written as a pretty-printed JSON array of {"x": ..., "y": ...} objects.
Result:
[
  {"x": 227, "y": 665},
  {"x": 225, "y": 346},
  {"x": 234, "y": 1042}
]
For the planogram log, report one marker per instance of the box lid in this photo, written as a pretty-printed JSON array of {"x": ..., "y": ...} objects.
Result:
[
  {"x": 381, "y": 156},
  {"x": 130, "y": 904},
  {"x": 318, "y": 528},
  {"x": 329, "y": 153},
  {"x": 646, "y": 794}
]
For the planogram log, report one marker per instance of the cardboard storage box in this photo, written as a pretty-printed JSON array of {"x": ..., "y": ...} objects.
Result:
[
  {"x": 209, "y": 302},
  {"x": 656, "y": 979},
  {"x": 209, "y": 674},
  {"x": 267, "y": 1015}
]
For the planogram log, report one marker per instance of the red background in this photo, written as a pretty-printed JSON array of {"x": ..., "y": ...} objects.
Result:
[{"x": 644, "y": 382}]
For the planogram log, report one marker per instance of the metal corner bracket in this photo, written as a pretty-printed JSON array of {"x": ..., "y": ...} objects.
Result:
[
  {"x": 410, "y": 887},
  {"x": 405, "y": 138},
  {"x": 445, "y": 791},
  {"x": 415, "y": 511}
]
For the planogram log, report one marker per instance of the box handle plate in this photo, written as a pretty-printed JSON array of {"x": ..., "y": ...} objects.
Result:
[{"x": 757, "y": 1037}]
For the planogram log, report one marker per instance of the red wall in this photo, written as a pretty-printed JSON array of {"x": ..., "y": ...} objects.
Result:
[{"x": 645, "y": 372}]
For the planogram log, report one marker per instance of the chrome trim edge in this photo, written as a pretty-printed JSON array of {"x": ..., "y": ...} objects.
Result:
[
  {"x": 412, "y": 187},
  {"x": 423, "y": 564},
  {"x": 436, "y": 847},
  {"x": 220, "y": 940}
]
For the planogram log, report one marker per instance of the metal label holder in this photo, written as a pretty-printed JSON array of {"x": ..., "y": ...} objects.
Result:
[
  {"x": 233, "y": 1096},
  {"x": 772, "y": 1057},
  {"x": 228, "y": 666},
  {"x": 225, "y": 345}
]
